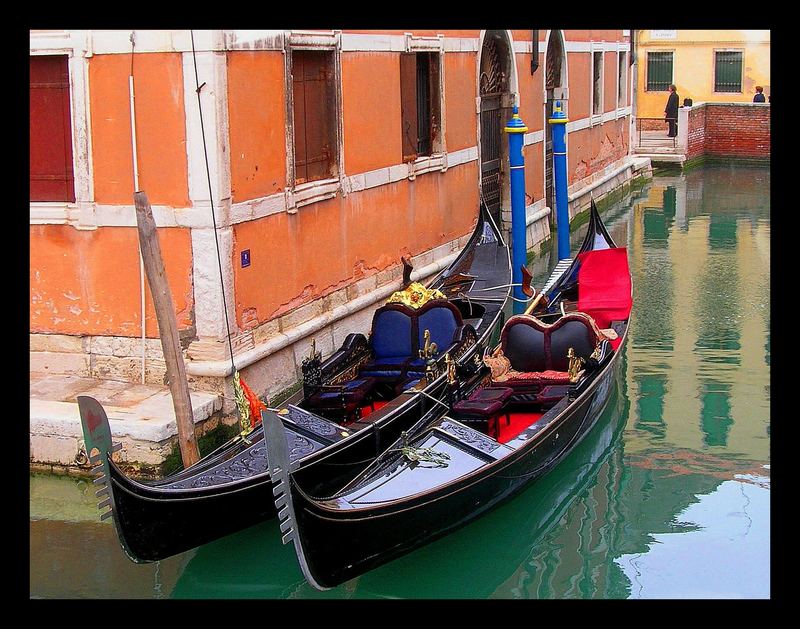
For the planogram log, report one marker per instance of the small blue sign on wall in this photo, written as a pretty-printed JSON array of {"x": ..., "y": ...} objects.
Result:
[{"x": 245, "y": 258}]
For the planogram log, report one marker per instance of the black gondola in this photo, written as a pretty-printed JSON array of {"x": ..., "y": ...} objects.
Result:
[
  {"x": 541, "y": 391},
  {"x": 352, "y": 406}
]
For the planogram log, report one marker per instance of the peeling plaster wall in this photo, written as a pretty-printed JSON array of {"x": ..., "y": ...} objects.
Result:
[
  {"x": 345, "y": 239},
  {"x": 257, "y": 110},
  {"x": 87, "y": 282},
  {"x": 160, "y": 128}
]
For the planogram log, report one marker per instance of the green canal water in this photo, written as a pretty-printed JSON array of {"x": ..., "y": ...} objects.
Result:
[{"x": 667, "y": 497}]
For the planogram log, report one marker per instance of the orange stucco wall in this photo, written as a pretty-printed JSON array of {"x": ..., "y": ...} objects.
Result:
[
  {"x": 87, "y": 282},
  {"x": 590, "y": 34},
  {"x": 594, "y": 148},
  {"x": 160, "y": 128},
  {"x": 531, "y": 88},
  {"x": 346, "y": 238},
  {"x": 534, "y": 172},
  {"x": 460, "y": 92},
  {"x": 415, "y": 32},
  {"x": 371, "y": 111},
  {"x": 579, "y": 75},
  {"x": 257, "y": 123},
  {"x": 610, "y": 70}
]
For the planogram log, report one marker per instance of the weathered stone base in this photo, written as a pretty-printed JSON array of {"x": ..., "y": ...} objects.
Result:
[{"x": 605, "y": 181}]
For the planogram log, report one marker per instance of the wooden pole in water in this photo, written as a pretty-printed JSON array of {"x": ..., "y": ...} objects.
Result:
[{"x": 167, "y": 327}]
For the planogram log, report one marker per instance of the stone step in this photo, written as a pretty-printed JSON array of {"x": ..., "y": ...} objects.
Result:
[{"x": 142, "y": 417}]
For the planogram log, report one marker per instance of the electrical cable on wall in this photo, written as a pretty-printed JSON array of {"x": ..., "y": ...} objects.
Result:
[{"x": 247, "y": 403}]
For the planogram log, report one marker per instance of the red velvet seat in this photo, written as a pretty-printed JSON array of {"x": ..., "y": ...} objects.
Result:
[{"x": 483, "y": 408}]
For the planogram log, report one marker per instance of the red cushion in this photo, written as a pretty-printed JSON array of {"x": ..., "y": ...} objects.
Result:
[{"x": 539, "y": 376}]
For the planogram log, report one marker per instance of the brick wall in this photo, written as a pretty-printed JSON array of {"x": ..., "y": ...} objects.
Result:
[
  {"x": 696, "y": 142},
  {"x": 729, "y": 130}
]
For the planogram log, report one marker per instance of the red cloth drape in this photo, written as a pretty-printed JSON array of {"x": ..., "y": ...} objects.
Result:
[{"x": 604, "y": 285}]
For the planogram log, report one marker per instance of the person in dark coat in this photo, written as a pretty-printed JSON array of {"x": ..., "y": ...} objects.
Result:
[
  {"x": 671, "y": 111},
  {"x": 759, "y": 97}
]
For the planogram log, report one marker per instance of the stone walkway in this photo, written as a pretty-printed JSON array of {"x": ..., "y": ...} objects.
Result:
[{"x": 141, "y": 416}]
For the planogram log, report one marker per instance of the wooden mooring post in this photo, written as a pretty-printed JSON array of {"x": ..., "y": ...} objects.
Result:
[{"x": 167, "y": 328}]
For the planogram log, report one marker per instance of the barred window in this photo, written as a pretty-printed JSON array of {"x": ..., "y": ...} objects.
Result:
[
  {"x": 597, "y": 78},
  {"x": 622, "y": 79},
  {"x": 420, "y": 101},
  {"x": 659, "y": 71},
  {"x": 728, "y": 71}
]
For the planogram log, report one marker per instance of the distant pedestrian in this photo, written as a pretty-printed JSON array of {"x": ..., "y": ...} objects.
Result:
[
  {"x": 671, "y": 111},
  {"x": 759, "y": 97}
]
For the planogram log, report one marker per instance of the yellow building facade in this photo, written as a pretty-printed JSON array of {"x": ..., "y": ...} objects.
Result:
[{"x": 707, "y": 66}]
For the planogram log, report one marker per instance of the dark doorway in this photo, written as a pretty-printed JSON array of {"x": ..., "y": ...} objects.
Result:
[
  {"x": 554, "y": 75},
  {"x": 494, "y": 84}
]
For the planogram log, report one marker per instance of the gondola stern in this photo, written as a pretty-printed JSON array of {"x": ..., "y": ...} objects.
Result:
[
  {"x": 280, "y": 468},
  {"x": 597, "y": 227}
]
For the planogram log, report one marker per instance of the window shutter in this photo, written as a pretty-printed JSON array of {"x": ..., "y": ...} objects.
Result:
[
  {"x": 659, "y": 71},
  {"x": 314, "y": 96},
  {"x": 728, "y": 74},
  {"x": 408, "y": 105},
  {"x": 51, "y": 172}
]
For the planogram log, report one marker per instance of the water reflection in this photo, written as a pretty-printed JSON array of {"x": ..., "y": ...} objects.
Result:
[
  {"x": 495, "y": 557},
  {"x": 667, "y": 497},
  {"x": 731, "y": 565}
]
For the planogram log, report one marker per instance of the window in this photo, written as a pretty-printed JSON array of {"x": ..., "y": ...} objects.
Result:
[
  {"x": 622, "y": 79},
  {"x": 597, "y": 79},
  {"x": 728, "y": 71},
  {"x": 420, "y": 100},
  {"x": 659, "y": 71},
  {"x": 314, "y": 114},
  {"x": 51, "y": 168}
]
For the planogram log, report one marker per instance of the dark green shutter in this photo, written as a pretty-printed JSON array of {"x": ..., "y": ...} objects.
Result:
[
  {"x": 728, "y": 72},
  {"x": 659, "y": 71}
]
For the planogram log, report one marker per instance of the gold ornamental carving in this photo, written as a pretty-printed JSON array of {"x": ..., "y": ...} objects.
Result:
[{"x": 415, "y": 295}]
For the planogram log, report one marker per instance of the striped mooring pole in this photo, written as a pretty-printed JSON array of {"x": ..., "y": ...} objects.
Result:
[
  {"x": 559, "y": 122},
  {"x": 516, "y": 130}
]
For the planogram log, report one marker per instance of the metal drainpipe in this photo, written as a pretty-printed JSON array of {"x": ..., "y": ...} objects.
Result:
[
  {"x": 534, "y": 51},
  {"x": 136, "y": 189}
]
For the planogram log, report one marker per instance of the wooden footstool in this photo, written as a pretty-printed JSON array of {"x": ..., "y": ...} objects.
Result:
[{"x": 482, "y": 408}]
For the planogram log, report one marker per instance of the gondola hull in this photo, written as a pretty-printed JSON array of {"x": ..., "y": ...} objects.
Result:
[
  {"x": 231, "y": 489},
  {"x": 155, "y": 523},
  {"x": 377, "y": 536}
]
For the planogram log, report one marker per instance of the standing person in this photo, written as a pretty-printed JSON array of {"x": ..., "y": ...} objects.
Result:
[
  {"x": 759, "y": 97},
  {"x": 671, "y": 111}
]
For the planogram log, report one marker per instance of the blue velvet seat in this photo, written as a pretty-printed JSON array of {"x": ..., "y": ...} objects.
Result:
[
  {"x": 398, "y": 335},
  {"x": 391, "y": 342}
]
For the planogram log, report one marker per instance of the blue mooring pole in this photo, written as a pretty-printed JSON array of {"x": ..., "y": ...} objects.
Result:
[
  {"x": 559, "y": 122},
  {"x": 516, "y": 130}
]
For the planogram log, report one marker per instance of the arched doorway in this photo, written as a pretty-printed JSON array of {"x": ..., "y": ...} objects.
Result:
[
  {"x": 555, "y": 84},
  {"x": 494, "y": 87}
]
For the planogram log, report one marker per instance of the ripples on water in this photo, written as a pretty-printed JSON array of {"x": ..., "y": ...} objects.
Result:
[{"x": 668, "y": 497}]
